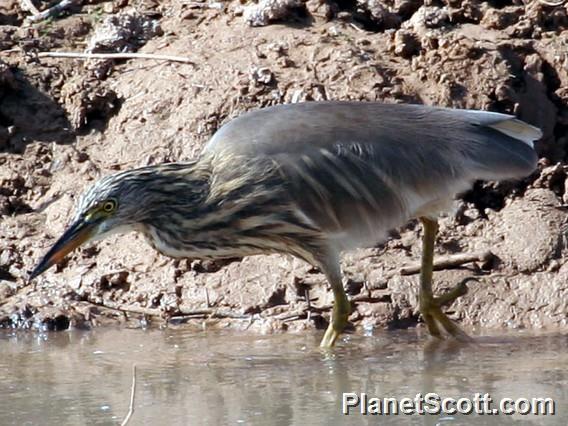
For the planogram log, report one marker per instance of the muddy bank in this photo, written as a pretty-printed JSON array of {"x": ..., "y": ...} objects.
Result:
[{"x": 66, "y": 122}]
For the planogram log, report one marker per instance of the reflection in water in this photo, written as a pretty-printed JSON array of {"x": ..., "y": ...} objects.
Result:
[{"x": 189, "y": 378}]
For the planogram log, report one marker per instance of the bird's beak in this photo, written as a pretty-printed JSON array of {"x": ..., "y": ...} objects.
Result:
[{"x": 76, "y": 234}]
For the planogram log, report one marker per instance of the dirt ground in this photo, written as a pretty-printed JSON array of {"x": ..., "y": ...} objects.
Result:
[{"x": 66, "y": 122}]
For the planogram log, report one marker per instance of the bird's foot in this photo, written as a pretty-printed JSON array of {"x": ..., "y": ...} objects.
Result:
[
  {"x": 333, "y": 331},
  {"x": 339, "y": 319},
  {"x": 430, "y": 308}
]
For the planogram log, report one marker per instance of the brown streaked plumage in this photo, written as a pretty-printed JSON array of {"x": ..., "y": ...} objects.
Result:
[{"x": 311, "y": 180}]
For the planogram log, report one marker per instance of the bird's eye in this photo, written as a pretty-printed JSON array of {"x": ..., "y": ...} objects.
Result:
[{"x": 109, "y": 206}]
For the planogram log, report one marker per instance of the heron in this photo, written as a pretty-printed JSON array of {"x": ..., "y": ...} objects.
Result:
[{"x": 311, "y": 180}]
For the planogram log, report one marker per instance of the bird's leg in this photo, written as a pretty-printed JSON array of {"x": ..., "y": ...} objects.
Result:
[
  {"x": 430, "y": 306},
  {"x": 341, "y": 305}
]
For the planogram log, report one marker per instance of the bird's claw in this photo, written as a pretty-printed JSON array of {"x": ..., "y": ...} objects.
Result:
[{"x": 430, "y": 308}]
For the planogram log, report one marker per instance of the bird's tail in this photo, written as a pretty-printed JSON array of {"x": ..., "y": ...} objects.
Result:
[
  {"x": 519, "y": 130},
  {"x": 503, "y": 145}
]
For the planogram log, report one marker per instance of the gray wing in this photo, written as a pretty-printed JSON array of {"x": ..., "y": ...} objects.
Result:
[{"x": 358, "y": 169}]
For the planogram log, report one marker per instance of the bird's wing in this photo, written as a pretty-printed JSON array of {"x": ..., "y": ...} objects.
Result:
[{"x": 353, "y": 167}]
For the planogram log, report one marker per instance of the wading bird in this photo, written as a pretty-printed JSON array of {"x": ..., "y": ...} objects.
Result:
[{"x": 311, "y": 180}]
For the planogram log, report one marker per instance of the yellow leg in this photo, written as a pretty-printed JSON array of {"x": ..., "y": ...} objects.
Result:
[
  {"x": 430, "y": 306},
  {"x": 341, "y": 306}
]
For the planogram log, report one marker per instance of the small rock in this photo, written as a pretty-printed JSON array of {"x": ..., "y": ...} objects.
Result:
[
  {"x": 114, "y": 280},
  {"x": 344, "y": 16},
  {"x": 170, "y": 303},
  {"x": 267, "y": 11},
  {"x": 499, "y": 19},
  {"x": 321, "y": 8},
  {"x": 428, "y": 17},
  {"x": 216, "y": 5},
  {"x": 334, "y": 31},
  {"x": 124, "y": 32},
  {"x": 109, "y": 8},
  {"x": 261, "y": 75},
  {"x": 277, "y": 49},
  {"x": 378, "y": 14},
  {"x": 406, "y": 44},
  {"x": 405, "y": 8},
  {"x": 552, "y": 177}
]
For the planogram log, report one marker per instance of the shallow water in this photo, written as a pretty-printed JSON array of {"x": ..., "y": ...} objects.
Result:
[{"x": 216, "y": 378}]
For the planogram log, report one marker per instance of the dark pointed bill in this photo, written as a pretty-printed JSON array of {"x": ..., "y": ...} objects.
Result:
[{"x": 76, "y": 234}]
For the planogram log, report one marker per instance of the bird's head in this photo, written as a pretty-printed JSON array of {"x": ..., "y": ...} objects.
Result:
[{"x": 116, "y": 203}]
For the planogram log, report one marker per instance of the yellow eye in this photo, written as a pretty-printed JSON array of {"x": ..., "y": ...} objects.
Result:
[{"x": 109, "y": 206}]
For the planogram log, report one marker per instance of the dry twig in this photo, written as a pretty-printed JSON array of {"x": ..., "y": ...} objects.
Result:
[
  {"x": 449, "y": 262},
  {"x": 552, "y": 3},
  {"x": 132, "y": 392},
  {"x": 209, "y": 313},
  {"x": 48, "y": 13},
  {"x": 80, "y": 55},
  {"x": 152, "y": 312}
]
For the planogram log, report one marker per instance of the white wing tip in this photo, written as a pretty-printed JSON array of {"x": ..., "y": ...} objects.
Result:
[{"x": 519, "y": 130}]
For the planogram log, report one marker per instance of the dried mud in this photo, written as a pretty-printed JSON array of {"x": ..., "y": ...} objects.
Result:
[{"x": 66, "y": 122}]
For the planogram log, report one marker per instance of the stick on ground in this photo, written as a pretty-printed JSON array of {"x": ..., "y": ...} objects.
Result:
[
  {"x": 52, "y": 11},
  {"x": 552, "y": 3},
  {"x": 182, "y": 312},
  {"x": 81, "y": 55},
  {"x": 449, "y": 262}
]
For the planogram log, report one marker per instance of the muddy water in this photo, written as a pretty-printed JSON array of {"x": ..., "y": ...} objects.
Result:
[{"x": 217, "y": 378}]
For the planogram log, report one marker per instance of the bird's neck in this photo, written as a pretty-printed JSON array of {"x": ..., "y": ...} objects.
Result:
[
  {"x": 225, "y": 210},
  {"x": 202, "y": 206}
]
